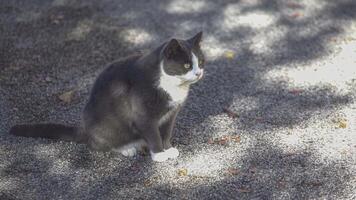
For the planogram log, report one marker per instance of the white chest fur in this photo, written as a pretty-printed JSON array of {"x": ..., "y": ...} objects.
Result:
[{"x": 172, "y": 85}]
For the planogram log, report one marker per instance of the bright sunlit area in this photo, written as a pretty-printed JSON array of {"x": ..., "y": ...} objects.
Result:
[{"x": 177, "y": 99}]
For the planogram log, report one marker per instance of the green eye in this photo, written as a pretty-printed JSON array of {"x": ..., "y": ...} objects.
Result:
[
  {"x": 187, "y": 65},
  {"x": 200, "y": 62}
]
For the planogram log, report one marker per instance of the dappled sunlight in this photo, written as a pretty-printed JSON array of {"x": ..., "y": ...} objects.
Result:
[
  {"x": 338, "y": 70},
  {"x": 265, "y": 41},
  {"x": 81, "y": 31},
  {"x": 212, "y": 47},
  {"x": 136, "y": 36},
  {"x": 188, "y": 6},
  {"x": 280, "y": 76},
  {"x": 207, "y": 163},
  {"x": 233, "y": 18}
]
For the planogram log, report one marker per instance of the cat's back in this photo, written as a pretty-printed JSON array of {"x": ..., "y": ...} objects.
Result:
[{"x": 119, "y": 73}]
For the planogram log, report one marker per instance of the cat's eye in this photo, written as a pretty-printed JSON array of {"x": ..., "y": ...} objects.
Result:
[
  {"x": 200, "y": 62},
  {"x": 187, "y": 65}
]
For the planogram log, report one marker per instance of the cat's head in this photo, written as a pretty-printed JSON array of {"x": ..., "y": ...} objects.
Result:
[{"x": 183, "y": 60}]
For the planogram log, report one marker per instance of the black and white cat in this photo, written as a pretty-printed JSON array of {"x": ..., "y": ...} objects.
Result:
[{"x": 134, "y": 102}]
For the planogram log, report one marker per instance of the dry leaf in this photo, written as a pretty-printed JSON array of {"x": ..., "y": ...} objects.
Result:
[
  {"x": 211, "y": 141},
  {"x": 223, "y": 140},
  {"x": 182, "y": 172},
  {"x": 340, "y": 122},
  {"x": 229, "y": 55},
  {"x": 67, "y": 97},
  {"x": 296, "y": 91},
  {"x": 233, "y": 171},
  {"x": 56, "y": 19},
  {"x": 230, "y": 113},
  {"x": 259, "y": 119},
  {"x": 253, "y": 169},
  {"x": 236, "y": 138},
  {"x": 296, "y": 15},
  {"x": 147, "y": 183},
  {"x": 243, "y": 190},
  {"x": 294, "y": 5}
]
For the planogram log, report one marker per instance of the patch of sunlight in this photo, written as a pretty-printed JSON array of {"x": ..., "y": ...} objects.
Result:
[
  {"x": 337, "y": 70},
  {"x": 208, "y": 163},
  {"x": 82, "y": 29},
  {"x": 212, "y": 47},
  {"x": 188, "y": 26},
  {"x": 59, "y": 167},
  {"x": 187, "y": 6},
  {"x": 263, "y": 41},
  {"x": 340, "y": 142},
  {"x": 291, "y": 140},
  {"x": 246, "y": 103},
  {"x": 8, "y": 183},
  {"x": 28, "y": 16},
  {"x": 234, "y": 18},
  {"x": 137, "y": 36}
]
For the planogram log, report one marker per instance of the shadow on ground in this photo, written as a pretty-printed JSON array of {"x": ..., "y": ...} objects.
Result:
[{"x": 47, "y": 48}]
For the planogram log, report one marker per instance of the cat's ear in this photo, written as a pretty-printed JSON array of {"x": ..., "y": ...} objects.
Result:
[
  {"x": 196, "y": 39},
  {"x": 172, "y": 48}
]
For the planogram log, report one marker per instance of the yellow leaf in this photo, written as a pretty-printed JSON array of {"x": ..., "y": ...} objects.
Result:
[
  {"x": 182, "y": 172},
  {"x": 229, "y": 55},
  {"x": 342, "y": 123},
  {"x": 233, "y": 171},
  {"x": 67, "y": 97}
]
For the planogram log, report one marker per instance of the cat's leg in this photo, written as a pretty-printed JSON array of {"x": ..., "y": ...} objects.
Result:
[
  {"x": 150, "y": 132},
  {"x": 166, "y": 132},
  {"x": 131, "y": 148}
]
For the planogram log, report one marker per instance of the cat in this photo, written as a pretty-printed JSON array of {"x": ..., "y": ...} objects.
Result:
[{"x": 134, "y": 102}]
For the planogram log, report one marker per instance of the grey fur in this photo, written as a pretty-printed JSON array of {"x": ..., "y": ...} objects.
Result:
[{"x": 126, "y": 103}]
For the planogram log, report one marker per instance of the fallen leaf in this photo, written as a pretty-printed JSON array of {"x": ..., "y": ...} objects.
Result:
[
  {"x": 67, "y": 97},
  {"x": 147, "y": 183},
  {"x": 253, "y": 169},
  {"x": 294, "y": 5},
  {"x": 211, "y": 141},
  {"x": 259, "y": 119},
  {"x": 233, "y": 171},
  {"x": 236, "y": 138},
  {"x": 340, "y": 122},
  {"x": 244, "y": 190},
  {"x": 225, "y": 139},
  {"x": 56, "y": 19},
  {"x": 182, "y": 172},
  {"x": 229, "y": 55},
  {"x": 223, "y": 142},
  {"x": 230, "y": 113},
  {"x": 296, "y": 15},
  {"x": 296, "y": 91}
]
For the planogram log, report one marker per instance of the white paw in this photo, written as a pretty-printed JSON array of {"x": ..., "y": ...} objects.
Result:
[
  {"x": 159, "y": 157},
  {"x": 129, "y": 152},
  {"x": 172, "y": 152}
]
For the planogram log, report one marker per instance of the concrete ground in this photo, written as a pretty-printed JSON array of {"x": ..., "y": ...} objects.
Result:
[{"x": 274, "y": 117}]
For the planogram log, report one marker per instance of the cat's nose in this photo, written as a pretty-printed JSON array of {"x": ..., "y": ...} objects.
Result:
[{"x": 198, "y": 73}]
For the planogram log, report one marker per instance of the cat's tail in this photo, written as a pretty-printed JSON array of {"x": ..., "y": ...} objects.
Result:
[{"x": 49, "y": 131}]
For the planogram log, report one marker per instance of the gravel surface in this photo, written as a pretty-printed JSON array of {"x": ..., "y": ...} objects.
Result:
[{"x": 274, "y": 117}]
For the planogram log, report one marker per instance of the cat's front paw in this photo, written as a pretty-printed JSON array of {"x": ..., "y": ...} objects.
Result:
[
  {"x": 129, "y": 152},
  {"x": 160, "y": 156},
  {"x": 172, "y": 152}
]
